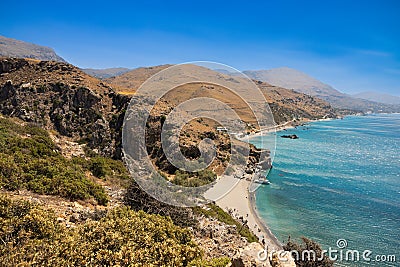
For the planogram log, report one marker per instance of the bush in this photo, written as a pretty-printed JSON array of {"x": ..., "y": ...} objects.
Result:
[
  {"x": 102, "y": 167},
  {"x": 197, "y": 179},
  {"x": 218, "y": 262},
  {"x": 31, "y": 236},
  {"x": 138, "y": 199},
  {"x": 29, "y": 159},
  {"x": 216, "y": 212}
]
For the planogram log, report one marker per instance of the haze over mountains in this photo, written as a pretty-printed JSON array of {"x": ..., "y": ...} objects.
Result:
[
  {"x": 283, "y": 77},
  {"x": 379, "y": 97},
  {"x": 106, "y": 73},
  {"x": 301, "y": 82}
]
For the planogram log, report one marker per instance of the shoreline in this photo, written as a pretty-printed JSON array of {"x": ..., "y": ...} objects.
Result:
[
  {"x": 241, "y": 203},
  {"x": 281, "y": 127},
  {"x": 264, "y": 227},
  {"x": 232, "y": 199}
]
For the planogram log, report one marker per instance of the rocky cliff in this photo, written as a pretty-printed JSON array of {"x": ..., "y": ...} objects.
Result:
[{"x": 58, "y": 96}]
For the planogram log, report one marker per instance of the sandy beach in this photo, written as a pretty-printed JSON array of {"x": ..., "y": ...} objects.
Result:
[
  {"x": 277, "y": 128},
  {"x": 242, "y": 204},
  {"x": 232, "y": 194}
]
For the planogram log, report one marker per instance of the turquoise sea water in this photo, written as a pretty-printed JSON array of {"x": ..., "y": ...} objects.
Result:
[{"x": 339, "y": 180}]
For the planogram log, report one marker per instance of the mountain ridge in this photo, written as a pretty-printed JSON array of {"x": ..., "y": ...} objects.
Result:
[{"x": 10, "y": 47}]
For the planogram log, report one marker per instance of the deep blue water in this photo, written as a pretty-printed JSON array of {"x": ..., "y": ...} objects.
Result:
[{"x": 339, "y": 180}]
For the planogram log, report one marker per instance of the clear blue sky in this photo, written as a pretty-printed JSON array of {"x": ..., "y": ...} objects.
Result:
[{"x": 352, "y": 45}]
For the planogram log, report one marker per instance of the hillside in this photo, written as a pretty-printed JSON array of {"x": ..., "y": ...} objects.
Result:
[
  {"x": 285, "y": 104},
  {"x": 59, "y": 130},
  {"x": 59, "y": 96},
  {"x": 105, "y": 73},
  {"x": 129, "y": 81},
  {"x": 60, "y": 147},
  {"x": 301, "y": 82},
  {"x": 14, "y": 48}
]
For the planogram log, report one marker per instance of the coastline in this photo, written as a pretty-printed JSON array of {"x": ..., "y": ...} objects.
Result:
[
  {"x": 241, "y": 203},
  {"x": 280, "y": 127},
  {"x": 264, "y": 227}
]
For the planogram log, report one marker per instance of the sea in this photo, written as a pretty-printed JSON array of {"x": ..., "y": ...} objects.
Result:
[{"x": 338, "y": 184}]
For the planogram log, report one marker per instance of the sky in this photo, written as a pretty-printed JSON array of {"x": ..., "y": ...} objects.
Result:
[{"x": 352, "y": 45}]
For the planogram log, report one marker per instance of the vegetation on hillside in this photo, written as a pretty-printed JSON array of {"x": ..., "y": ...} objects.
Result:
[
  {"x": 196, "y": 179},
  {"x": 31, "y": 235},
  {"x": 216, "y": 212},
  {"x": 138, "y": 199},
  {"x": 30, "y": 160}
]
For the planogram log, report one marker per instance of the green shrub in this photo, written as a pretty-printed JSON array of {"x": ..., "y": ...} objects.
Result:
[
  {"x": 197, "y": 179},
  {"x": 29, "y": 159},
  {"x": 103, "y": 167},
  {"x": 31, "y": 236},
  {"x": 218, "y": 262},
  {"x": 216, "y": 212}
]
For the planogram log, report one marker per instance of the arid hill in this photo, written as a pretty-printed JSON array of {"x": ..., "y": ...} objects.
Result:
[
  {"x": 77, "y": 111},
  {"x": 285, "y": 104},
  {"x": 128, "y": 82}
]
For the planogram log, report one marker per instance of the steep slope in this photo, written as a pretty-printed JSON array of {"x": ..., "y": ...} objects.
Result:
[
  {"x": 14, "y": 48},
  {"x": 60, "y": 96},
  {"x": 105, "y": 73},
  {"x": 301, "y": 82},
  {"x": 379, "y": 97},
  {"x": 287, "y": 105}
]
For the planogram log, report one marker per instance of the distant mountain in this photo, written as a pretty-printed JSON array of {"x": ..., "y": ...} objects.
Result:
[
  {"x": 303, "y": 83},
  {"x": 379, "y": 97},
  {"x": 132, "y": 79},
  {"x": 294, "y": 79},
  {"x": 106, "y": 73},
  {"x": 14, "y": 48}
]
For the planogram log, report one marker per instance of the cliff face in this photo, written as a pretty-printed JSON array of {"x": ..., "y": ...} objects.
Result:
[{"x": 59, "y": 96}]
